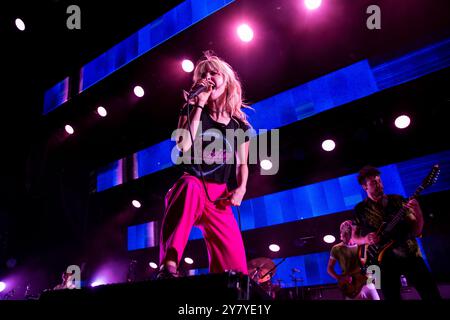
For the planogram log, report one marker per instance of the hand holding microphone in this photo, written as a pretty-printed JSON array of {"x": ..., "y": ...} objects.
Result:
[{"x": 200, "y": 92}]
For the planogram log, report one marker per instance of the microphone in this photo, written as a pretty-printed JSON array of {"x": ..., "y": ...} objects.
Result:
[{"x": 196, "y": 91}]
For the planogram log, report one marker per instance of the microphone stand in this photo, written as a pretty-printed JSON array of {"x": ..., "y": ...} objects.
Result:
[{"x": 270, "y": 271}]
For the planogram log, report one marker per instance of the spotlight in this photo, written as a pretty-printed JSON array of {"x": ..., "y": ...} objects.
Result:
[
  {"x": 245, "y": 33},
  {"x": 274, "y": 248},
  {"x": 2, "y": 286},
  {"x": 313, "y": 4},
  {"x": 139, "y": 91},
  {"x": 328, "y": 145},
  {"x": 97, "y": 283},
  {"x": 329, "y": 238},
  {"x": 188, "y": 260},
  {"x": 102, "y": 112},
  {"x": 69, "y": 129},
  {"x": 153, "y": 265},
  {"x": 266, "y": 164},
  {"x": 402, "y": 122},
  {"x": 20, "y": 24},
  {"x": 187, "y": 65},
  {"x": 136, "y": 204}
]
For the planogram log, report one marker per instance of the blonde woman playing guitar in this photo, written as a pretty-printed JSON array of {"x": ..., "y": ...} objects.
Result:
[{"x": 352, "y": 282}]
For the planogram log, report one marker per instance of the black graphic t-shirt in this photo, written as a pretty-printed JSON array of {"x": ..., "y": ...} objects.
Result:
[
  {"x": 369, "y": 215},
  {"x": 214, "y": 149}
]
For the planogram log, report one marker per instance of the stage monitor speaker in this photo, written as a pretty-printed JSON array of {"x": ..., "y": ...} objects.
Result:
[{"x": 212, "y": 287}]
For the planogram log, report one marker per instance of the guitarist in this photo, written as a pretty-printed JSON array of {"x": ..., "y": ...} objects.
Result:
[
  {"x": 404, "y": 256},
  {"x": 346, "y": 254}
]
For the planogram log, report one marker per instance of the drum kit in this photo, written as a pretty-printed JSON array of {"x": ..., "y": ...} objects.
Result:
[{"x": 262, "y": 270}]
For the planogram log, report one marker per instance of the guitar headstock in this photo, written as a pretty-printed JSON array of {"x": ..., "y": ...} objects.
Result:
[{"x": 432, "y": 177}]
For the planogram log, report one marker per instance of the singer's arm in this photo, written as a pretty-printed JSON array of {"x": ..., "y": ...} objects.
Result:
[
  {"x": 241, "y": 174},
  {"x": 184, "y": 141}
]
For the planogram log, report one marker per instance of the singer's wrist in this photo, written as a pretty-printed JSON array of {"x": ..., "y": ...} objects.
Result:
[{"x": 199, "y": 106}]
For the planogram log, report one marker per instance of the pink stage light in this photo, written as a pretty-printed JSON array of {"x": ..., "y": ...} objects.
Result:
[
  {"x": 313, "y": 4},
  {"x": 136, "y": 204},
  {"x": 2, "y": 286},
  {"x": 328, "y": 145},
  {"x": 187, "y": 65},
  {"x": 97, "y": 283},
  {"x": 402, "y": 122},
  {"x": 139, "y": 91},
  {"x": 20, "y": 24},
  {"x": 245, "y": 33},
  {"x": 69, "y": 129},
  {"x": 102, "y": 112},
  {"x": 329, "y": 238},
  {"x": 274, "y": 247}
]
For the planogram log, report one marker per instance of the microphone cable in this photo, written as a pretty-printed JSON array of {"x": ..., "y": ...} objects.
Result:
[{"x": 201, "y": 171}]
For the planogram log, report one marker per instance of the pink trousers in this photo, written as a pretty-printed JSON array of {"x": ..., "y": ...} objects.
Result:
[{"x": 186, "y": 206}]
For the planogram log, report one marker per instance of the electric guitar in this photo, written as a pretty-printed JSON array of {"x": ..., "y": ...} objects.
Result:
[
  {"x": 352, "y": 289},
  {"x": 373, "y": 254}
]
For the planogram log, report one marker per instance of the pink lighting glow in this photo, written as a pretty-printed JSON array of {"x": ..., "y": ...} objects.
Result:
[
  {"x": 139, "y": 91},
  {"x": 187, "y": 65},
  {"x": 313, "y": 4},
  {"x": 245, "y": 33},
  {"x": 274, "y": 248}
]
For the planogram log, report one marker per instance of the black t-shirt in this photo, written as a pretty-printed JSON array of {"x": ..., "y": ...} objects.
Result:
[
  {"x": 369, "y": 215},
  {"x": 214, "y": 148}
]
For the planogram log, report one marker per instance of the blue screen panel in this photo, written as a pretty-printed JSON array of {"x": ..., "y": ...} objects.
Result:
[
  {"x": 155, "y": 158},
  {"x": 168, "y": 25},
  {"x": 330, "y": 91},
  {"x": 56, "y": 95},
  {"x": 143, "y": 236},
  {"x": 110, "y": 176},
  {"x": 337, "y": 195}
]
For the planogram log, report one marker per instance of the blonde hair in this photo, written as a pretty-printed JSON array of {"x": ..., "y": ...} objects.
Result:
[
  {"x": 346, "y": 229},
  {"x": 233, "y": 90}
]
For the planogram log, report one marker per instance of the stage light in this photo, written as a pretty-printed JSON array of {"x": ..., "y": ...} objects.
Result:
[
  {"x": 329, "y": 238},
  {"x": 188, "y": 260},
  {"x": 136, "y": 204},
  {"x": 69, "y": 129},
  {"x": 245, "y": 33},
  {"x": 402, "y": 122},
  {"x": 2, "y": 286},
  {"x": 328, "y": 145},
  {"x": 274, "y": 248},
  {"x": 20, "y": 24},
  {"x": 139, "y": 91},
  {"x": 187, "y": 65},
  {"x": 313, "y": 4},
  {"x": 97, "y": 283},
  {"x": 153, "y": 265},
  {"x": 102, "y": 112},
  {"x": 266, "y": 164}
]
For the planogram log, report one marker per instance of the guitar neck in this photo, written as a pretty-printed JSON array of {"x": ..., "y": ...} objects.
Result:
[{"x": 401, "y": 213}]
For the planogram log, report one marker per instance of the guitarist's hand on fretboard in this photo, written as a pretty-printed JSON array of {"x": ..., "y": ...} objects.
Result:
[{"x": 372, "y": 238}]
